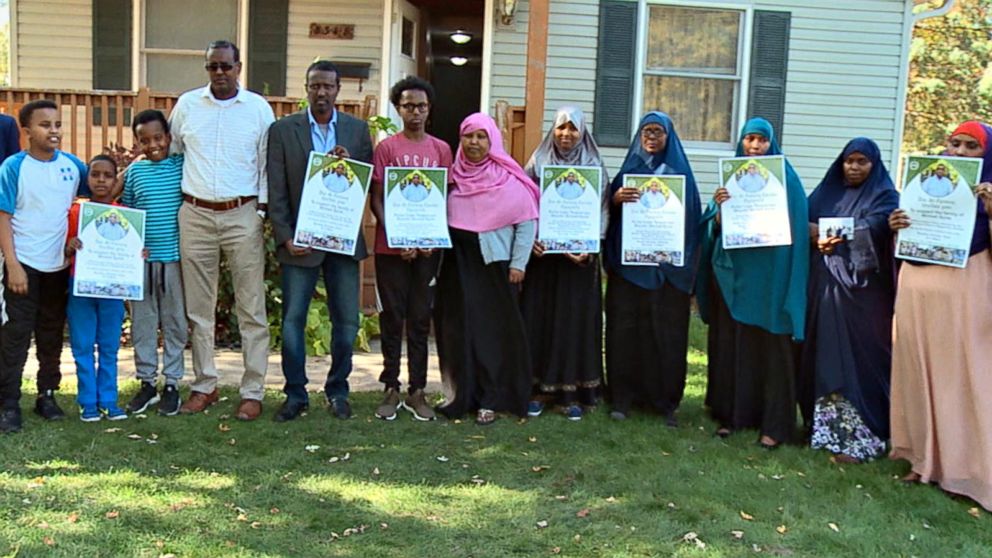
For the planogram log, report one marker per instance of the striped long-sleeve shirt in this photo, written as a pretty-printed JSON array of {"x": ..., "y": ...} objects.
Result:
[{"x": 156, "y": 187}]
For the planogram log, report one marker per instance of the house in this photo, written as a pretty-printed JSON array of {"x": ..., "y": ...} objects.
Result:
[{"x": 822, "y": 72}]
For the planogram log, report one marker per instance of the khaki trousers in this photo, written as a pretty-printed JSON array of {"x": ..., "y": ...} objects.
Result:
[{"x": 203, "y": 234}]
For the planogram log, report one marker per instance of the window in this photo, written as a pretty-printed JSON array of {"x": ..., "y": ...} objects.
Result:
[
  {"x": 175, "y": 35},
  {"x": 407, "y": 37},
  {"x": 693, "y": 70}
]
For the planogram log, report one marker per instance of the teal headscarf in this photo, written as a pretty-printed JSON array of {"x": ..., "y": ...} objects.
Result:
[{"x": 763, "y": 287}]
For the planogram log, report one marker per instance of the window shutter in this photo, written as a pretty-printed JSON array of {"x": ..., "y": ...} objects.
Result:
[
  {"x": 769, "y": 67},
  {"x": 112, "y": 44},
  {"x": 615, "y": 73},
  {"x": 268, "y": 28}
]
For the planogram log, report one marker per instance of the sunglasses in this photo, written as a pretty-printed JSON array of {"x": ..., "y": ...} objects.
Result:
[{"x": 214, "y": 66}]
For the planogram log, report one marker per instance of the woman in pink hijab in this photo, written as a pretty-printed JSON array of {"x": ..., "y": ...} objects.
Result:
[{"x": 492, "y": 214}]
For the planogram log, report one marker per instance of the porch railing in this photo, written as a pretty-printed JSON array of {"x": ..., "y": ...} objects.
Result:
[{"x": 92, "y": 120}]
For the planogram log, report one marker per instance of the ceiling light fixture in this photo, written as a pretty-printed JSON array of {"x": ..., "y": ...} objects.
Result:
[
  {"x": 459, "y": 60},
  {"x": 460, "y": 37}
]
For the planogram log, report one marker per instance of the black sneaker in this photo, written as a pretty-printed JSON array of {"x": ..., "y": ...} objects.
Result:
[
  {"x": 47, "y": 408},
  {"x": 146, "y": 397},
  {"x": 10, "y": 420},
  {"x": 169, "y": 406}
]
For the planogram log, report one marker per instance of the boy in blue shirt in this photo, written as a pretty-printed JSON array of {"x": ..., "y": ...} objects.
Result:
[
  {"x": 37, "y": 188},
  {"x": 155, "y": 185}
]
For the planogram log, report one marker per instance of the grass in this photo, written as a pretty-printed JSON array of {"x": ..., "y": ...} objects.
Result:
[{"x": 210, "y": 486}]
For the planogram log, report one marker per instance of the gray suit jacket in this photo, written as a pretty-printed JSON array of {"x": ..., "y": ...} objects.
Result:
[{"x": 289, "y": 149}]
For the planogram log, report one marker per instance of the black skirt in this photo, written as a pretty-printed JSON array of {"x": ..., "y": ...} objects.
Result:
[
  {"x": 481, "y": 344},
  {"x": 647, "y": 337},
  {"x": 751, "y": 377},
  {"x": 563, "y": 313}
]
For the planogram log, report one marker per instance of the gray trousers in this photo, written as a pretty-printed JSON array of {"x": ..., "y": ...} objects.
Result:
[{"x": 162, "y": 307}]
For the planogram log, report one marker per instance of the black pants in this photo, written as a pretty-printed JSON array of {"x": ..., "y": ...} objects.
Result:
[
  {"x": 405, "y": 292},
  {"x": 42, "y": 312}
]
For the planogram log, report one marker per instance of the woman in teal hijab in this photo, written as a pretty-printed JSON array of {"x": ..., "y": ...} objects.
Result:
[{"x": 754, "y": 300}]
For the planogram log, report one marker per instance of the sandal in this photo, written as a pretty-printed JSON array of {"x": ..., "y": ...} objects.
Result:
[
  {"x": 911, "y": 477},
  {"x": 768, "y": 443},
  {"x": 485, "y": 417},
  {"x": 722, "y": 432}
]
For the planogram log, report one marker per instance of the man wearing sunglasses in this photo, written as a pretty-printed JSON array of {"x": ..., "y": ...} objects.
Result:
[{"x": 222, "y": 130}]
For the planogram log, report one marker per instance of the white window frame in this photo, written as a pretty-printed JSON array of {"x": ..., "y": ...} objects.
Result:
[
  {"x": 743, "y": 64},
  {"x": 139, "y": 65}
]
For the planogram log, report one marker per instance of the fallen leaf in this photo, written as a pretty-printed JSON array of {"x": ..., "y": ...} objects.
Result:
[
  {"x": 442, "y": 459},
  {"x": 611, "y": 499},
  {"x": 584, "y": 512},
  {"x": 375, "y": 471},
  {"x": 532, "y": 439},
  {"x": 332, "y": 460},
  {"x": 542, "y": 524},
  {"x": 49, "y": 541},
  {"x": 975, "y": 513},
  {"x": 556, "y": 550},
  {"x": 561, "y": 497},
  {"x": 746, "y": 516},
  {"x": 777, "y": 477},
  {"x": 222, "y": 399},
  {"x": 73, "y": 517},
  {"x": 384, "y": 526},
  {"x": 312, "y": 448},
  {"x": 665, "y": 453},
  {"x": 134, "y": 437},
  {"x": 242, "y": 517},
  {"x": 781, "y": 529},
  {"x": 232, "y": 442},
  {"x": 223, "y": 417},
  {"x": 223, "y": 427},
  {"x": 755, "y": 548},
  {"x": 112, "y": 514},
  {"x": 671, "y": 505},
  {"x": 539, "y": 468},
  {"x": 153, "y": 436},
  {"x": 274, "y": 510},
  {"x": 692, "y": 537},
  {"x": 833, "y": 527},
  {"x": 346, "y": 456},
  {"x": 112, "y": 430},
  {"x": 737, "y": 534},
  {"x": 256, "y": 524},
  {"x": 926, "y": 525}
]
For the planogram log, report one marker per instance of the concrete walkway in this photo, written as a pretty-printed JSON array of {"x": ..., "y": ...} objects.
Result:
[{"x": 364, "y": 376}]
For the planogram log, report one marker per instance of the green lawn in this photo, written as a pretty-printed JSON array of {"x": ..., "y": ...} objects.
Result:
[{"x": 210, "y": 486}]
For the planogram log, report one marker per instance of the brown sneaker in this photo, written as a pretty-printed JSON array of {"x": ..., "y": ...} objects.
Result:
[
  {"x": 416, "y": 403},
  {"x": 198, "y": 401},
  {"x": 387, "y": 409},
  {"x": 248, "y": 409}
]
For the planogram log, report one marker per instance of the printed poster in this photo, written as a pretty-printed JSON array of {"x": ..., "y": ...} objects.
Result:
[
  {"x": 416, "y": 206},
  {"x": 757, "y": 213},
  {"x": 332, "y": 204},
  {"x": 110, "y": 263},
  {"x": 654, "y": 225},
  {"x": 938, "y": 196},
  {"x": 571, "y": 209}
]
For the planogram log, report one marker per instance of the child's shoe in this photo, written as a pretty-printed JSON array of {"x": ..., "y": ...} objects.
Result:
[
  {"x": 114, "y": 413},
  {"x": 146, "y": 397},
  {"x": 170, "y": 403},
  {"x": 90, "y": 414}
]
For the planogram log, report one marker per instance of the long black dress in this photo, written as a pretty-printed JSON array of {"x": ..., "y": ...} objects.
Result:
[
  {"x": 562, "y": 309},
  {"x": 482, "y": 347}
]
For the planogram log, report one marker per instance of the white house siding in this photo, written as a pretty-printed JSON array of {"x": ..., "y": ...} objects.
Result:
[
  {"x": 365, "y": 47},
  {"x": 54, "y": 44},
  {"x": 843, "y": 81}
]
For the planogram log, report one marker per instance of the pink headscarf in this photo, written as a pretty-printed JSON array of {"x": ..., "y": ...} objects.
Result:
[{"x": 492, "y": 193}]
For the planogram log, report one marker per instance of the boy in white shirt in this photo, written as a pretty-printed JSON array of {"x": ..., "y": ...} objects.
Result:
[{"x": 37, "y": 187}]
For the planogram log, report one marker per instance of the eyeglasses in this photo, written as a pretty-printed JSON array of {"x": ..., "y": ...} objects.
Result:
[
  {"x": 653, "y": 133},
  {"x": 222, "y": 66},
  {"x": 419, "y": 107}
]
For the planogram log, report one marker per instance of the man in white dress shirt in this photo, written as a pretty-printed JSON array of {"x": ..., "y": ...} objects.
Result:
[{"x": 223, "y": 131}]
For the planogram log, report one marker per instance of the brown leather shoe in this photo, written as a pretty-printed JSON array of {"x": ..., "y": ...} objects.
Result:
[
  {"x": 248, "y": 409},
  {"x": 198, "y": 401}
]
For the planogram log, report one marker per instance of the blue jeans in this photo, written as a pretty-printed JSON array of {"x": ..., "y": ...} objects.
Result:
[
  {"x": 298, "y": 284},
  {"x": 95, "y": 322}
]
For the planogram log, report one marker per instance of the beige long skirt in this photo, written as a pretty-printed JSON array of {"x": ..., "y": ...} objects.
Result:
[{"x": 942, "y": 375}]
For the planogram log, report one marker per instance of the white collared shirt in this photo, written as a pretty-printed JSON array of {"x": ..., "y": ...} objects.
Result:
[{"x": 225, "y": 143}]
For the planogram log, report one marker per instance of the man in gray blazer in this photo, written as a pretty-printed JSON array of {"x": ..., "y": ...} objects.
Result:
[{"x": 324, "y": 129}]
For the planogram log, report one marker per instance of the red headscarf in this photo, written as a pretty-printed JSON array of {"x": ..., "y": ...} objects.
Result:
[
  {"x": 973, "y": 128},
  {"x": 492, "y": 193}
]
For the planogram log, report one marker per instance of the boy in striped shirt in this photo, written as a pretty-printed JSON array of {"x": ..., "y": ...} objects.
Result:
[{"x": 154, "y": 184}]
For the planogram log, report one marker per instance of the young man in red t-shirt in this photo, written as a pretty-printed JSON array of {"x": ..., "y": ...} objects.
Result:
[{"x": 403, "y": 277}]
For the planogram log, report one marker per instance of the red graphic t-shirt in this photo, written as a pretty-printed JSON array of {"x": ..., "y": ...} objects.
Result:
[{"x": 399, "y": 151}]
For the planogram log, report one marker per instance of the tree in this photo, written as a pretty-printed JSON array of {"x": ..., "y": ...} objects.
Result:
[{"x": 950, "y": 73}]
